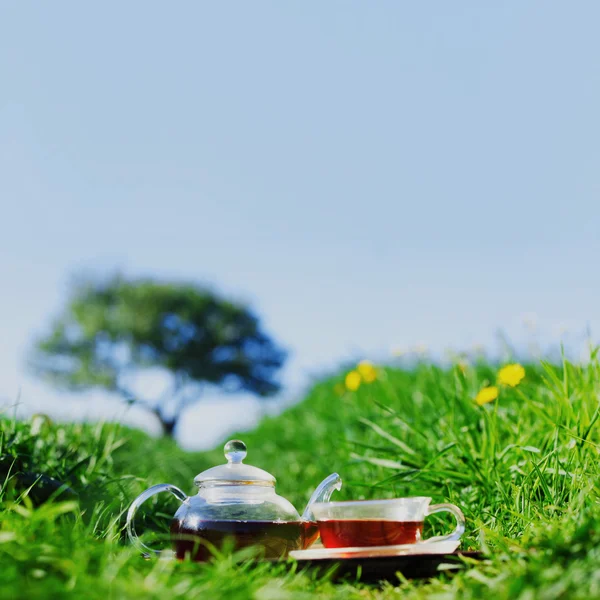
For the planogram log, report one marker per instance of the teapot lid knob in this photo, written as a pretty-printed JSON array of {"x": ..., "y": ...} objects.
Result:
[
  {"x": 235, "y": 472},
  {"x": 235, "y": 451}
]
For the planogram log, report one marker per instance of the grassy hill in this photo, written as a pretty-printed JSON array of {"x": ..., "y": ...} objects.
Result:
[{"x": 523, "y": 467}]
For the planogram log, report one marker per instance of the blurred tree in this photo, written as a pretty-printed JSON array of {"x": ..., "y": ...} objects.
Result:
[{"x": 114, "y": 333}]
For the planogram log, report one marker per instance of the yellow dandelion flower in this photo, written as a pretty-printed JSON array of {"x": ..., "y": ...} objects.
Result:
[
  {"x": 486, "y": 394},
  {"x": 367, "y": 371},
  {"x": 511, "y": 375},
  {"x": 352, "y": 381}
]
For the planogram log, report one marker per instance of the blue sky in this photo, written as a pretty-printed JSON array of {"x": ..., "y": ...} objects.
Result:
[{"x": 366, "y": 175}]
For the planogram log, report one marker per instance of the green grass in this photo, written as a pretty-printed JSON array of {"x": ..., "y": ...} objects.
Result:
[{"x": 524, "y": 469}]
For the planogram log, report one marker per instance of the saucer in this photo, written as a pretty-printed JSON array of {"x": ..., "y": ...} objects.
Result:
[{"x": 447, "y": 547}]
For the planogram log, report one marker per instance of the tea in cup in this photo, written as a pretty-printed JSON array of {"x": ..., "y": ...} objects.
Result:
[{"x": 393, "y": 522}]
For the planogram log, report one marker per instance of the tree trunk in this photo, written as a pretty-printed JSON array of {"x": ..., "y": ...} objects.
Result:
[{"x": 168, "y": 426}]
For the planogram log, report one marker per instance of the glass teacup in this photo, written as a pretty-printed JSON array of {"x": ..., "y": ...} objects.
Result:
[{"x": 381, "y": 522}]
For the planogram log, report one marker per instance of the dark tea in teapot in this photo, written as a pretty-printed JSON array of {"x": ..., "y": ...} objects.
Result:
[{"x": 277, "y": 538}]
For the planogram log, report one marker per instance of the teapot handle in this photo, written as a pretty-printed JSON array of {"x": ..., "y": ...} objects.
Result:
[{"x": 155, "y": 489}]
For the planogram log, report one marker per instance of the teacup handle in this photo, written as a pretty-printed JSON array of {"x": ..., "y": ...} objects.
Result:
[
  {"x": 460, "y": 522},
  {"x": 155, "y": 489}
]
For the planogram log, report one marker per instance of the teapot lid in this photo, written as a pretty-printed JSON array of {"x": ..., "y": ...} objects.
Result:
[{"x": 235, "y": 472}]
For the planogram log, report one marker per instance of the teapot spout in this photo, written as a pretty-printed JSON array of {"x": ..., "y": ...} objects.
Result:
[{"x": 322, "y": 494}]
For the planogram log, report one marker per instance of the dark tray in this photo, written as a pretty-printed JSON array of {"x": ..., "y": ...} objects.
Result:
[{"x": 385, "y": 568}]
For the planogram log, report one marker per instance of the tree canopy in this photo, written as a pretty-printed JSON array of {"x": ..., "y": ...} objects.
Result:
[{"x": 114, "y": 331}]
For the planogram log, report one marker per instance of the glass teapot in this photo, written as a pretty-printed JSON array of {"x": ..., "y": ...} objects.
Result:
[{"x": 238, "y": 502}]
